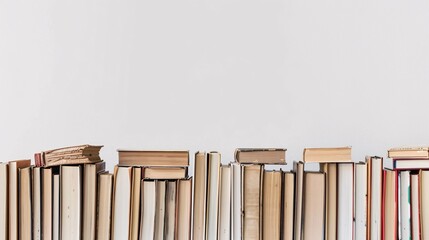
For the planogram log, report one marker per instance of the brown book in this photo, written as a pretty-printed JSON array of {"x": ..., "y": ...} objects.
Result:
[
  {"x": 184, "y": 209},
  {"x": 37, "y": 203},
  {"x": 271, "y": 212},
  {"x": 409, "y": 153},
  {"x": 330, "y": 170},
  {"x": 200, "y": 197},
  {"x": 104, "y": 216},
  {"x": 25, "y": 204},
  {"x": 390, "y": 206},
  {"x": 73, "y": 155},
  {"x": 47, "y": 203},
  {"x": 3, "y": 200},
  {"x": 13, "y": 209},
  {"x": 328, "y": 155},
  {"x": 165, "y": 173},
  {"x": 135, "y": 204},
  {"x": 261, "y": 155},
  {"x": 90, "y": 172},
  {"x": 314, "y": 206},
  {"x": 153, "y": 158},
  {"x": 299, "y": 191},
  {"x": 170, "y": 210},
  {"x": 288, "y": 205},
  {"x": 70, "y": 202},
  {"x": 252, "y": 176}
]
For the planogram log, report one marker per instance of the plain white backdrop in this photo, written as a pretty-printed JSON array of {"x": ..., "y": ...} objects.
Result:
[{"x": 213, "y": 75}]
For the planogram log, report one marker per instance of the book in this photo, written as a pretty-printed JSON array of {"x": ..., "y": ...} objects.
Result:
[
  {"x": 72, "y": 155},
  {"x": 3, "y": 200},
  {"x": 25, "y": 210},
  {"x": 224, "y": 229},
  {"x": 405, "y": 209},
  {"x": 271, "y": 210},
  {"x": 261, "y": 155},
  {"x": 236, "y": 210},
  {"x": 252, "y": 176},
  {"x": 326, "y": 155},
  {"x": 345, "y": 201},
  {"x": 375, "y": 185},
  {"x": 135, "y": 203},
  {"x": 56, "y": 206},
  {"x": 90, "y": 172},
  {"x": 330, "y": 170},
  {"x": 104, "y": 216},
  {"x": 159, "y": 209},
  {"x": 47, "y": 203},
  {"x": 146, "y": 158},
  {"x": 147, "y": 222},
  {"x": 299, "y": 170},
  {"x": 70, "y": 202},
  {"x": 360, "y": 202},
  {"x": 37, "y": 203},
  {"x": 214, "y": 160},
  {"x": 390, "y": 207},
  {"x": 288, "y": 205},
  {"x": 170, "y": 210},
  {"x": 200, "y": 197},
  {"x": 121, "y": 202},
  {"x": 165, "y": 173},
  {"x": 407, "y": 164},
  {"x": 13, "y": 208},
  {"x": 415, "y": 207},
  {"x": 314, "y": 206},
  {"x": 184, "y": 209},
  {"x": 409, "y": 153},
  {"x": 424, "y": 204}
]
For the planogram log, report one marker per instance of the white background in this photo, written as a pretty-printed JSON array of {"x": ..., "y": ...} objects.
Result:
[{"x": 213, "y": 75}]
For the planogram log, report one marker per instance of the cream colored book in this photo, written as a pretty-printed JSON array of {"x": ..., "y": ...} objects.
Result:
[
  {"x": 345, "y": 200},
  {"x": 200, "y": 196},
  {"x": 165, "y": 173},
  {"x": 37, "y": 203},
  {"x": 330, "y": 170},
  {"x": 147, "y": 222},
  {"x": 70, "y": 202},
  {"x": 135, "y": 203},
  {"x": 415, "y": 205},
  {"x": 25, "y": 203},
  {"x": 170, "y": 210},
  {"x": 299, "y": 169},
  {"x": 224, "y": 229},
  {"x": 236, "y": 214},
  {"x": 3, "y": 200},
  {"x": 271, "y": 211},
  {"x": 184, "y": 209},
  {"x": 252, "y": 176},
  {"x": 104, "y": 216},
  {"x": 288, "y": 205},
  {"x": 160, "y": 210},
  {"x": 213, "y": 196},
  {"x": 121, "y": 203},
  {"x": 153, "y": 158},
  {"x": 424, "y": 204},
  {"x": 326, "y": 155},
  {"x": 361, "y": 199},
  {"x": 56, "y": 207},
  {"x": 409, "y": 153},
  {"x": 314, "y": 206},
  {"x": 390, "y": 206},
  {"x": 375, "y": 183},
  {"x": 47, "y": 203}
]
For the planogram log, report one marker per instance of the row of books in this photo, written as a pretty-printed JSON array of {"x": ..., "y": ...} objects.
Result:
[{"x": 68, "y": 194}]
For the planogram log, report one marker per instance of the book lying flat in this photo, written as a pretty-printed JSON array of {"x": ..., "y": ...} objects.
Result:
[
  {"x": 165, "y": 172},
  {"x": 261, "y": 155},
  {"x": 73, "y": 155},
  {"x": 409, "y": 152},
  {"x": 147, "y": 158},
  {"x": 326, "y": 155}
]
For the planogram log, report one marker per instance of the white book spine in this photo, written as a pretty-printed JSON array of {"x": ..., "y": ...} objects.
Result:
[
  {"x": 236, "y": 201},
  {"x": 345, "y": 201},
  {"x": 405, "y": 205},
  {"x": 360, "y": 201}
]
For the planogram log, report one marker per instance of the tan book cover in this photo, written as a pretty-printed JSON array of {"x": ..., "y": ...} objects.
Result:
[
  {"x": 213, "y": 195},
  {"x": 200, "y": 197},
  {"x": 135, "y": 203},
  {"x": 299, "y": 170},
  {"x": 327, "y": 155},
  {"x": 121, "y": 202},
  {"x": 56, "y": 206},
  {"x": 47, "y": 203},
  {"x": 184, "y": 209},
  {"x": 390, "y": 206},
  {"x": 147, "y": 222},
  {"x": 153, "y": 158},
  {"x": 166, "y": 173},
  {"x": 314, "y": 206},
  {"x": 261, "y": 155},
  {"x": 170, "y": 210},
  {"x": 330, "y": 170},
  {"x": 72, "y": 155},
  {"x": 224, "y": 229},
  {"x": 70, "y": 202},
  {"x": 4, "y": 200},
  {"x": 252, "y": 176},
  {"x": 37, "y": 203},
  {"x": 160, "y": 209},
  {"x": 104, "y": 216},
  {"x": 409, "y": 153},
  {"x": 271, "y": 211},
  {"x": 25, "y": 204},
  {"x": 424, "y": 204},
  {"x": 288, "y": 205}
]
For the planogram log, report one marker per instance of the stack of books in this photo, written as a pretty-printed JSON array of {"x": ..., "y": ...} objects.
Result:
[{"x": 152, "y": 195}]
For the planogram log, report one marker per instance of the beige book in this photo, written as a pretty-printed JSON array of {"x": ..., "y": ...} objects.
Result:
[
  {"x": 121, "y": 203},
  {"x": 56, "y": 207},
  {"x": 149, "y": 158},
  {"x": 13, "y": 209},
  {"x": 314, "y": 206},
  {"x": 271, "y": 211},
  {"x": 345, "y": 201},
  {"x": 252, "y": 200},
  {"x": 37, "y": 203},
  {"x": 200, "y": 197},
  {"x": 3, "y": 200},
  {"x": 147, "y": 223},
  {"x": 327, "y": 155},
  {"x": 330, "y": 170},
  {"x": 415, "y": 206},
  {"x": 361, "y": 200},
  {"x": 104, "y": 216},
  {"x": 288, "y": 205},
  {"x": 236, "y": 214},
  {"x": 72, "y": 155},
  {"x": 170, "y": 210},
  {"x": 224, "y": 229},
  {"x": 165, "y": 173},
  {"x": 47, "y": 203},
  {"x": 375, "y": 185},
  {"x": 261, "y": 155},
  {"x": 424, "y": 204},
  {"x": 135, "y": 203},
  {"x": 160, "y": 210},
  {"x": 390, "y": 217},
  {"x": 409, "y": 152},
  {"x": 213, "y": 195},
  {"x": 25, "y": 203},
  {"x": 70, "y": 202},
  {"x": 184, "y": 209},
  {"x": 90, "y": 172},
  {"x": 299, "y": 169}
]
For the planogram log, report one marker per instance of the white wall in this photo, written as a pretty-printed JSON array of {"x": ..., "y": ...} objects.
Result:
[{"x": 213, "y": 75}]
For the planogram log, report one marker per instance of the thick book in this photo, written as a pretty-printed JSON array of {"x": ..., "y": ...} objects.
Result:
[
  {"x": 89, "y": 212},
  {"x": 409, "y": 153},
  {"x": 135, "y": 203},
  {"x": 147, "y": 222},
  {"x": 314, "y": 206},
  {"x": 214, "y": 160},
  {"x": 70, "y": 202},
  {"x": 288, "y": 205},
  {"x": 327, "y": 155},
  {"x": 406, "y": 164},
  {"x": 13, "y": 209},
  {"x": 236, "y": 209},
  {"x": 375, "y": 186},
  {"x": 415, "y": 207},
  {"x": 3, "y": 200},
  {"x": 252, "y": 176},
  {"x": 271, "y": 202},
  {"x": 260, "y": 155},
  {"x": 160, "y": 209},
  {"x": 167, "y": 173},
  {"x": 37, "y": 203},
  {"x": 25, "y": 221},
  {"x": 299, "y": 170},
  {"x": 361, "y": 192},
  {"x": 330, "y": 170},
  {"x": 224, "y": 229},
  {"x": 147, "y": 158},
  {"x": 345, "y": 201},
  {"x": 184, "y": 209},
  {"x": 104, "y": 211},
  {"x": 72, "y": 155},
  {"x": 121, "y": 202},
  {"x": 390, "y": 207},
  {"x": 170, "y": 210},
  {"x": 47, "y": 204},
  {"x": 405, "y": 204},
  {"x": 200, "y": 195},
  {"x": 424, "y": 204}
]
